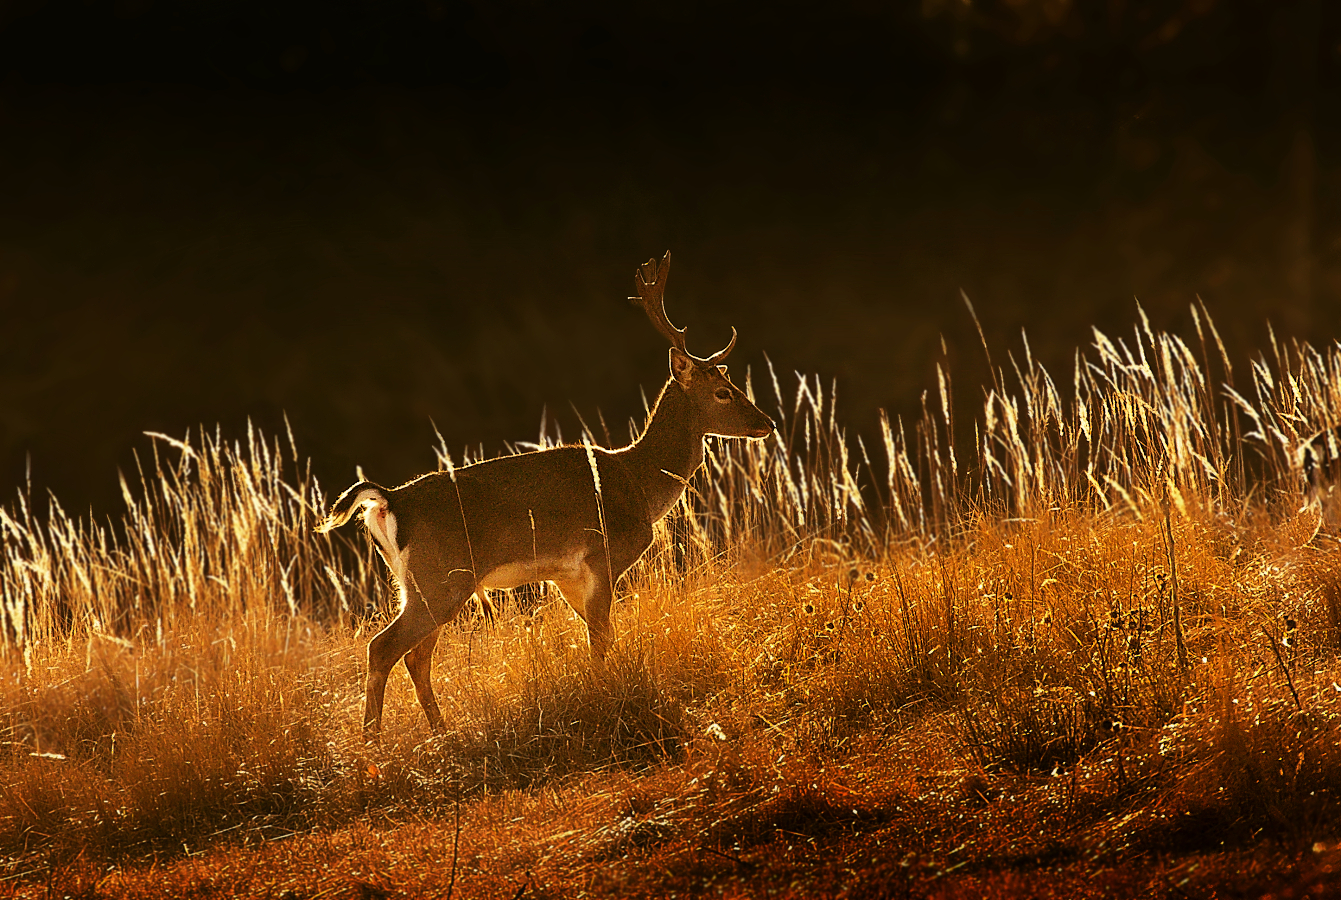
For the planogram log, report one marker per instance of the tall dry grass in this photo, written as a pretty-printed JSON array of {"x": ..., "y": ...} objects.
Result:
[{"x": 1130, "y": 584}]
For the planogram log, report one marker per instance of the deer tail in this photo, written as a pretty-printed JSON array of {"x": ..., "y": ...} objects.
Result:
[{"x": 350, "y": 502}]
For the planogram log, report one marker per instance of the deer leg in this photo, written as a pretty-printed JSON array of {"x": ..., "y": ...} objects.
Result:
[
  {"x": 419, "y": 663},
  {"x": 622, "y": 550},
  {"x": 412, "y": 626},
  {"x": 599, "y": 633},
  {"x": 588, "y": 593},
  {"x": 433, "y": 596}
]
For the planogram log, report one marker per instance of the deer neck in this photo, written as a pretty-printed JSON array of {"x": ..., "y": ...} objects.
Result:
[{"x": 669, "y": 450}]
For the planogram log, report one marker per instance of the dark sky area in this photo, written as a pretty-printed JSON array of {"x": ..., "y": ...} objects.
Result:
[{"x": 375, "y": 216}]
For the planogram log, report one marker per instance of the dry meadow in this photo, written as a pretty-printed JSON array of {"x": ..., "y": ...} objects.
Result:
[{"x": 1085, "y": 645}]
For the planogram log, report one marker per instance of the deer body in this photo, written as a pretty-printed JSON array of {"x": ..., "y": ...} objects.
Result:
[{"x": 540, "y": 516}]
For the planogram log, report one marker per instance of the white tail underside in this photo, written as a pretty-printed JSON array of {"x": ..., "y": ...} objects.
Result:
[{"x": 381, "y": 524}]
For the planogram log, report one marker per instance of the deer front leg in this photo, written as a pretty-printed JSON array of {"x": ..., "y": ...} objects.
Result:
[
  {"x": 600, "y": 634},
  {"x": 588, "y": 593}
]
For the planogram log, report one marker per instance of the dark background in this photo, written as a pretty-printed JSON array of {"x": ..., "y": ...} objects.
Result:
[{"x": 372, "y": 216}]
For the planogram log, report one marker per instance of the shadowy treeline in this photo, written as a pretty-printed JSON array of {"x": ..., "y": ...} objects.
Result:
[
  {"x": 375, "y": 218},
  {"x": 1120, "y": 50}
]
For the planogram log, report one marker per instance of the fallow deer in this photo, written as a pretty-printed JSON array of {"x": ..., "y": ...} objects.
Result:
[{"x": 577, "y": 515}]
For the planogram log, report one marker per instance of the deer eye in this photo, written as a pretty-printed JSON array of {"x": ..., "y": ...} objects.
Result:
[{"x": 723, "y": 394}]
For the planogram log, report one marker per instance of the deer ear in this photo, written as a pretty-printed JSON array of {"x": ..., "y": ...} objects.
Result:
[{"x": 681, "y": 366}]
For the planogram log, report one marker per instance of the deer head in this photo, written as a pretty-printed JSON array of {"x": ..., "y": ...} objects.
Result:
[{"x": 722, "y": 407}]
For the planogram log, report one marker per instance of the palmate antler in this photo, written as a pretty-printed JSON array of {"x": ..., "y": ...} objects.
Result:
[{"x": 650, "y": 282}]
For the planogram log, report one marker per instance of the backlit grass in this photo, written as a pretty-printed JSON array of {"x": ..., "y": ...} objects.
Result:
[{"x": 1093, "y": 626}]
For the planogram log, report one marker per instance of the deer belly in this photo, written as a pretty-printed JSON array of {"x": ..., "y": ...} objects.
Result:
[{"x": 510, "y": 575}]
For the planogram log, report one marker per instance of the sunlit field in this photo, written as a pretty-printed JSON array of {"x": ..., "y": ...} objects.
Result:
[{"x": 1085, "y": 644}]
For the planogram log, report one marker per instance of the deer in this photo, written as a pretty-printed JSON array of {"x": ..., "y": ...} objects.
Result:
[{"x": 577, "y": 515}]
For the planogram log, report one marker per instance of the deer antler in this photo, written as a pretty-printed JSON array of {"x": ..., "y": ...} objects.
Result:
[
  {"x": 721, "y": 354},
  {"x": 650, "y": 282}
]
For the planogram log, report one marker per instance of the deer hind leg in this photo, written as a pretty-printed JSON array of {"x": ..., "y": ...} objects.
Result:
[
  {"x": 419, "y": 663},
  {"x": 435, "y": 592}
]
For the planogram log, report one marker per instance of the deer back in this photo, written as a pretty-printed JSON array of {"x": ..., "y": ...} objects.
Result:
[{"x": 532, "y": 506}]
